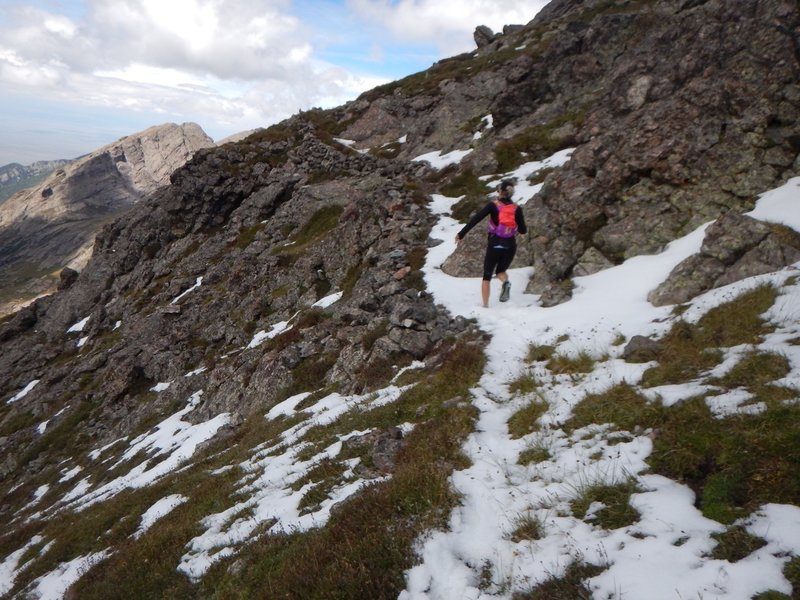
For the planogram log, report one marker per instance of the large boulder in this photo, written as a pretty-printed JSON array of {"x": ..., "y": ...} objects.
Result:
[{"x": 483, "y": 36}]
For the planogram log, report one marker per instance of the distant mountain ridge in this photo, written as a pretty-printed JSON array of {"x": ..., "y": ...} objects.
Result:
[
  {"x": 52, "y": 224},
  {"x": 15, "y": 177}
]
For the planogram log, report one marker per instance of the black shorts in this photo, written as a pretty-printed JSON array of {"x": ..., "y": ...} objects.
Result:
[{"x": 499, "y": 255}]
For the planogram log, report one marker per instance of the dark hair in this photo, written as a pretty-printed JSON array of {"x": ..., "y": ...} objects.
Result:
[{"x": 505, "y": 184}]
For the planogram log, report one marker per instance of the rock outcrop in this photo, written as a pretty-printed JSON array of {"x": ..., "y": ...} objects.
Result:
[
  {"x": 53, "y": 224},
  {"x": 271, "y": 225},
  {"x": 667, "y": 144},
  {"x": 735, "y": 247},
  {"x": 483, "y": 36}
]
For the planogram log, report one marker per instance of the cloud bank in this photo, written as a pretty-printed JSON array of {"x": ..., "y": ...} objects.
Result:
[{"x": 229, "y": 65}]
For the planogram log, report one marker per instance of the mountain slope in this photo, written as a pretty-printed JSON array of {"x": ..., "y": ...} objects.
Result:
[
  {"x": 268, "y": 382},
  {"x": 15, "y": 177},
  {"x": 53, "y": 224}
]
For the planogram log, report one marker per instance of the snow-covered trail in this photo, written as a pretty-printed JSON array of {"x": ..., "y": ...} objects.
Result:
[{"x": 663, "y": 555}]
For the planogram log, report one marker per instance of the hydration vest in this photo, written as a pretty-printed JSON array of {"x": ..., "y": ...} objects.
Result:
[{"x": 506, "y": 226}]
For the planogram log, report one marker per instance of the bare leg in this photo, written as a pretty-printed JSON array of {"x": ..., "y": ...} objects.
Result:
[{"x": 485, "y": 292}]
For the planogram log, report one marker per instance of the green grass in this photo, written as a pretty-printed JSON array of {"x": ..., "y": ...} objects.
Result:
[
  {"x": 754, "y": 370},
  {"x": 369, "y": 541},
  {"x": 562, "y": 364},
  {"x": 734, "y": 464},
  {"x": 524, "y": 421},
  {"x": 689, "y": 349},
  {"x": 325, "y": 476},
  {"x": 310, "y": 374},
  {"x": 538, "y": 353},
  {"x": 527, "y": 527},
  {"x": 248, "y": 234},
  {"x": 474, "y": 190},
  {"x": 60, "y": 439},
  {"x": 461, "y": 368},
  {"x": 524, "y": 384},
  {"x": 621, "y": 405},
  {"x": 351, "y": 279},
  {"x": 534, "y": 454},
  {"x": 148, "y": 565},
  {"x": 735, "y": 543},
  {"x": 14, "y": 420},
  {"x": 390, "y": 150},
  {"x": 792, "y": 572},
  {"x": 617, "y": 511},
  {"x": 569, "y": 586},
  {"x": 317, "y": 227},
  {"x": 536, "y": 142},
  {"x": 379, "y": 329}
]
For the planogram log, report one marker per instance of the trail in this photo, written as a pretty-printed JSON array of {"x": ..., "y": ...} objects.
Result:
[{"x": 666, "y": 553}]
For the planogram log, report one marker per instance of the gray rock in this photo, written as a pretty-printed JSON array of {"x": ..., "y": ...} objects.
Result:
[
  {"x": 591, "y": 262},
  {"x": 730, "y": 236},
  {"x": 509, "y": 29},
  {"x": 735, "y": 246},
  {"x": 415, "y": 343},
  {"x": 556, "y": 293},
  {"x": 483, "y": 36},
  {"x": 54, "y": 224},
  {"x": 641, "y": 349},
  {"x": 67, "y": 278}
]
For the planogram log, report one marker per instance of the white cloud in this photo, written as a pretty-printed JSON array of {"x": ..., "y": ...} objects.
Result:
[
  {"x": 226, "y": 38},
  {"x": 234, "y": 63},
  {"x": 447, "y": 23},
  {"x": 229, "y": 65}
]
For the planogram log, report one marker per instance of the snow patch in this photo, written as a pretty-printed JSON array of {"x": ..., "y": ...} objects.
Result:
[
  {"x": 78, "y": 327},
  {"x": 159, "y": 510},
  {"x": 54, "y": 585},
  {"x": 328, "y": 300},
  {"x": 198, "y": 282},
  {"x": 23, "y": 392},
  {"x": 437, "y": 160}
]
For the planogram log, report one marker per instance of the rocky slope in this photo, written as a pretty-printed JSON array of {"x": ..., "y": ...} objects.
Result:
[
  {"x": 210, "y": 288},
  {"x": 662, "y": 145},
  {"x": 53, "y": 224}
]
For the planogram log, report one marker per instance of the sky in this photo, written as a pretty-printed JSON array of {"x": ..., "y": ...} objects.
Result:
[
  {"x": 79, "y": 74},
  {"x": 665, "y": 555}
]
